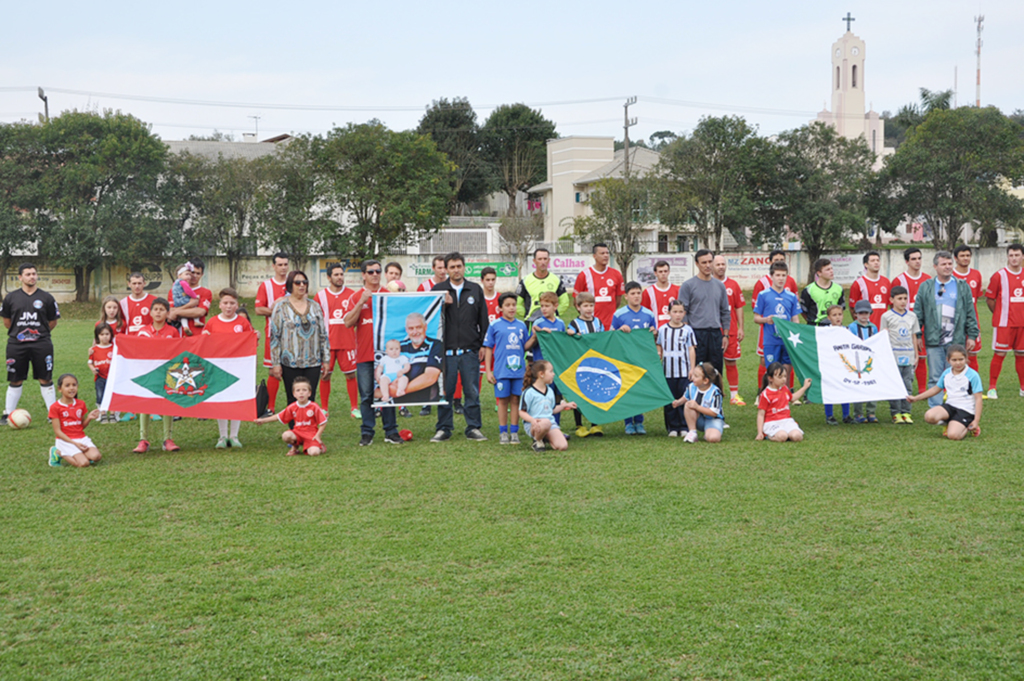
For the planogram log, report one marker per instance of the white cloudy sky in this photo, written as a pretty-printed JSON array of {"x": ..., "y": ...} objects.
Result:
[{"x": 389, "y": 59}]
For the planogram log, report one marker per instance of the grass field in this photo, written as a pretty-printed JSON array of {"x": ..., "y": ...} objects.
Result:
[{"x": 865, "y": 552}]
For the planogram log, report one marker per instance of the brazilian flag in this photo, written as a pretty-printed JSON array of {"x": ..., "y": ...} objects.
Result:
[{"x": 610, "y": 375}]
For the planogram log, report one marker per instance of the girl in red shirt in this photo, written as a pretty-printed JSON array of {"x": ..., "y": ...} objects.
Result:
[
  {"x": 111, "y": 313},
  {"x": 773, "y": 419},
  {"x": 70, "y": 417},
  {"x": 99, "y": 363}
]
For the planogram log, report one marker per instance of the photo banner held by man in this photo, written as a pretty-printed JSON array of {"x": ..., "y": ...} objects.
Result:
[{"x": 408, "y": 349}]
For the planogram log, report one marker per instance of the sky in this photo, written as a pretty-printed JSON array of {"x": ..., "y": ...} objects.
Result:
[{"x": 188, "y": 68}]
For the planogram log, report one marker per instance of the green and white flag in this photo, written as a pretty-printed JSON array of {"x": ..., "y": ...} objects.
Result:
[{"x": 842, "y": 367}]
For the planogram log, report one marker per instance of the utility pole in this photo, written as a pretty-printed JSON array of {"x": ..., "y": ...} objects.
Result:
[
  {"x": 46, "y": 104},
  {"x": 977, "y": 95},
  {"x": 627, "y": 124},
  {"x": 257, "y": 119}
]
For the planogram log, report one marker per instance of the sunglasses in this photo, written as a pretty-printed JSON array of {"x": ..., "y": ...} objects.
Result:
[
  {"x": 300, "y": 282},
  {"x": 942, "y": 289},
  {"x": 373, "y": 271}
]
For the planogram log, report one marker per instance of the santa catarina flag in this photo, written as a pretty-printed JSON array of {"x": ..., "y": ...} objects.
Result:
[
  {"x": 210, "y": 377},
  {"x": 610, "y": 375},
  {"x": 842, "y": 367}
]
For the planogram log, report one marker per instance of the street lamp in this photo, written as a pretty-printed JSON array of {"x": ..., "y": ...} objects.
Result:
[{"x": 46, "y": 104}]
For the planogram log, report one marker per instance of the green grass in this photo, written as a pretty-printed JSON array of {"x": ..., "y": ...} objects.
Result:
[{"x": 865, "y": 552}]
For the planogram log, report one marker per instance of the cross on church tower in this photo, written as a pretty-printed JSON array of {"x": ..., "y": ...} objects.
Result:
[{"x": 848, "y": 19}]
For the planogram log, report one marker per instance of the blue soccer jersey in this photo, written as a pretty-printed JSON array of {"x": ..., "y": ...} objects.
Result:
[
  {"x": 634, "y": 319},
  {"x": 539, "y": 405},
  {"x": 556, "y": 326},
  {"x": 771, "y": 303},
  {"x": 710, "y": 398},
  {"x": 507, "y": 339}
]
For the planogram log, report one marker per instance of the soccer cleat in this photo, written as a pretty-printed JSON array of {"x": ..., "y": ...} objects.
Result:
[
  {"x": 630, "y": 429},
  {"x": 475, "y": 435},
  {"x": 538, "y": 446},
  {"x": 3, "y": 419},
  {"x": 235, "y": 443},
  {"x": 737, "y": 401},
  {"x": 1022, "y": 392},
  {"x": 596, "y": 431},
  {"x": 169, "y": 446},
  {"x": 859, "y": 419},
  {"x": 849, "y": 420},
  {"x": 142, "y": 447},
  {"x": 441, "y": 436},
  {"x": 404, "y": 413},
  {"x": 366, "y": 441},
  {"x": 425, "y": 411},
  {"x": 640, "y": 430},
  {"x": 795, "y": 403},
  {"x": 582, "y": 431},
  {"x": 394, "y": 439},
  {"x": 897, "y": 418},
  {"x": 222, "y": 443},
  {"x": 513, "y": 438},
  {"x": 156, "y": 417},
  {"x": 831, "y": 421},
  {"x": 907, "y": 419},
  {"x": 127, "y": 416},
  {"x": 691, "y": 437},
  {"x": 503, "y": 439},
  {"x": 673, "y": 433},
  {"x": 54, "y": 457},
  {"x": 992, "y": 394},
  {"x": 872, "y": 419}
]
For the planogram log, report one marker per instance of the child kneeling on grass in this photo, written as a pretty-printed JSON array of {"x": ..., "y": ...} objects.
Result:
[
  {"x": 773, "y": 419},
  {"x": 702, "y": 404},
  {"x": 538, "y": 407},
  {"x": 305, "y": 436},
  {"x": 69, "y": 417},
  {"x": 962, "y": 409}
]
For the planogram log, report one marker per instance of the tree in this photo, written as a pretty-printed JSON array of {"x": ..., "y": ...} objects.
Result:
[
  {"x": 15, "y": 228},
  {"x": 217, "y": 136},
  {"x": 764, "y": 174},
  {"x": 704, "y": 179},
  {"x": 954, "y": 169},
  {"x": 177, "y": 236},
  {"x": 519, "y": 234},
  {"x": 389, "y": 188},
  {"x": 454, "y": 129},
  {"x": 826, "y": 176},
  {"x": 882, "y": 203},
  {"x": 909, "y": 116},
  {"x": 619, "y": 216},
  {"x": 514, "y": 140},
  {"x": 97, "y": 178},
  {"x": 661, "y": 139}
]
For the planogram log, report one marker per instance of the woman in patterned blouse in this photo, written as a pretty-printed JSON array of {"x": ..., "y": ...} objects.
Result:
[{"x": 299, "y": 345}]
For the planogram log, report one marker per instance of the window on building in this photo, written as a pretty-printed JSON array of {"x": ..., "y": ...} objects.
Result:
[
  {"x": 874, "y": 141},
  {"x": 579, "y": 196},
  {"x": 837, "y": 77},
  {"x": 854, "y": 79}
]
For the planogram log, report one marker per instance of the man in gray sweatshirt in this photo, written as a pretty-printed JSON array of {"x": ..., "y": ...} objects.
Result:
[{"x": 707, "y": 310}]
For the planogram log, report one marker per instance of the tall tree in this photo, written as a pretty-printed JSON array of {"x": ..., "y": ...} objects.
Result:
[
  {"x": 514, "y": 139},
  {"x": 390, "y": 188},
  {"x": 620, "y": 216},
  {"x": 826, "y": 176},
  {"x": 454, "y": 129},
  {"x": 97, "y": 178},
  {"x": 909, "y": 116},
  {"x": 15, "y": 178},
  {"x": 954, "y": 169},
  {"x": 290, "y": 204},
  {"x": 519, "y": 235},
  {"x": 765, "y": 173},
  {"x": 174, "y": 236}
]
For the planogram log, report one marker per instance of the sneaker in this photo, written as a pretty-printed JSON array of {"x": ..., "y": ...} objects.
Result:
[
  {"x": 142, "y": 447},
  {"x": 513, "y": 438},
  {"x": 630, "y": 429},
  {"x": 235, "y": 443},
  {"x": 156, "y": 417},
  {"x": 831, "y": 421},
  {"x": 992, "y": 394},
  {"x": 222, "y": 443},
  {"x": 54, "y": 457},
  {"x": 582, "y": 431},
  {"x": 673, "y": 433},
  {"x": 356, "y": 414},
  {"x": 795, "y": 403},
  {"x": 366, "y": 441},
  {"x": 897, "y": 419},
  {"x": 441, "y": 435},
  {"x": 640, "y": 430},
  {"x": 169, "y": 446},
  {"x": 596, "y": 431},
  {"x": 127, "y": 416},
  {"x": 691, "y": 437},
  {"x": 849, "y": 420},
  {"x": 859, "y": 419},
  {"x": 503, "y": 439},
  {"x": 737, "y": 401},
  {"x": 475, "y": 435},
  {"x": 457, "y": 407},
  {"x": 3, "y": 419},
  {"x": 537, "y": 446},
  {"x": 268, "y": 412},
  {"x": 405, "y": 413},
  {"x": 907, "y": 419},
  {"x": 872, "y": 419},
  {"x": 1022, "y": 392},
  {"x": 425, "y": 411},
  {"x": 394, "y": 439}
]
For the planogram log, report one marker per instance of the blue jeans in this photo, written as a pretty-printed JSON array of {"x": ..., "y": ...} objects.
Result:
[
  {"x": 468, "y": 366},
  {"x": 364, "y": 377},
  {"x": 101, "y": 387},
  {"x": 936, "y": 365}
]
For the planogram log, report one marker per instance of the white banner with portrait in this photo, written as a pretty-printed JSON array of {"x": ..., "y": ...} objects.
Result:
[{"x": 408, "y": 349}]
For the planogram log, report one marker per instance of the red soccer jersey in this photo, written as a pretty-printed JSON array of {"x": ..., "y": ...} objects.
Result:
[
  {"x": 118, "y": 327},
  {"x": 911, "y": 284},
  {"x": 335, "y": 307},
  {"x": 136, "y": 312},
  {"x": 220, "y": 325},
  {"x": 974, "y": 280},
  {"x": 875, "y": 291},
  {"x": 606, "y": 286},
  {"x": 428, "y": 285},
  {"x": 205, "y": 301},
  {"x": 1007, "y": 289},
  {"x": 775, "y": 403},
  {"x": 71, "y": 417},
  {"x": 167, "y": 331},
  {"x": 267, "y": 294},
  {"x": 100, "y": 358},
  {"x": 364, "y": 327},
  {"x": 308, "y": 418},
  {"x": 657, "y": 301},
  {"x": 736, "y": 301},
  {"x": 492, "y": 308},
  {"x": 763, "y": 284}
]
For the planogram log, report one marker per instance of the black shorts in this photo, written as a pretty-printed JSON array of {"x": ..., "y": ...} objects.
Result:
[
  {"x": 38, "y": 354},
  {"x": 958, "y": 415}
]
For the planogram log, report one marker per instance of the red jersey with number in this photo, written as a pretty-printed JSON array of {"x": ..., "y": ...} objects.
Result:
[
  {"x": 493, "y": 311},
  {"x": 167, "y": 331},
  {"x": 220, "y": 325},
  {"x": 267, "y": 294},
  {"x": 911, "y": 284},
  {"x": 100, "y": 358},
  {"x": 606, "y": 286},
  {"x": 775, "y": 403},
  {"x": 875, "y": 291},
  {"x": 364, "y": 327},
  {"x": 71, "y": 417},
  {"x": 736, "y": 301},
  {"x": 335, "y": 307},
  {"x": 657, "y": 301},
  {"x": 763, "y": 284},
  {"x": 308, "y": 418},
  {"x": 1007, "y": 289},
  {"x": 136, "y": 313}
]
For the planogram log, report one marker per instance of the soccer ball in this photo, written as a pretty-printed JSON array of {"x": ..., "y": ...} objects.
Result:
[
  {"x": 19, "y": 418},
  {"x": 393, "y": 287}
]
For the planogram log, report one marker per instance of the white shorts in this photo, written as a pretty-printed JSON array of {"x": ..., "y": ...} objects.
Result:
[
  {"x": 68, "y": 450},
  {"x": 773, "y": 427}
]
